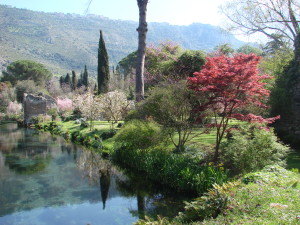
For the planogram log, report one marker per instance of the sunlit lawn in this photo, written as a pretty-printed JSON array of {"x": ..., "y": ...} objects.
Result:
[
  {"x": 200, "y": 140},
  {"x": 99, "y": 125}
]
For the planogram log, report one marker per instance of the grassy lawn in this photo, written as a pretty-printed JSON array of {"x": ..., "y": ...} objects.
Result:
[
  {"x": 71, "y": 126},
  {"x": 200, "y": 141},
  {"x": 98, "y": 128}
]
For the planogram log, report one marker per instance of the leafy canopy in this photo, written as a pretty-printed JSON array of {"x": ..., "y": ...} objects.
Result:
[
  {"x": 26, "y": 70},
  {"x": 230, "y": 84}
]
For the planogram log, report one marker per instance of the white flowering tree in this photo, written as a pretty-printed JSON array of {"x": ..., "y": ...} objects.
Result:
[
  {"x": 89, "y": 105},
  {"x": 115, "y": 106},
  {"x": 14, "y": 109}
]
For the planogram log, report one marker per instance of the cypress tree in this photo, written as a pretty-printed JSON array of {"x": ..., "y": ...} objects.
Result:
[
  {"x": 80, "y": 80},
  {"x": 61, "y": 81},
  {"x": 68, "y": 79},
  {"x": 85, "y": 77},
  {"x": 103, "y": 67},
  {"x": 74, "y": 80}
]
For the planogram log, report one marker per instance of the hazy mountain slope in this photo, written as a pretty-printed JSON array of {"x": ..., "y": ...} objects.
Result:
[{"x": 66, "y": 41}]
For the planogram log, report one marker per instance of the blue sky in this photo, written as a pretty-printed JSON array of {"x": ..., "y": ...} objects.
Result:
[{"x": 181, "y": 12}]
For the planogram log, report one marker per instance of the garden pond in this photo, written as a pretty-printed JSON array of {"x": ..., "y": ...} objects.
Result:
[{"x": 45, "y": 180}]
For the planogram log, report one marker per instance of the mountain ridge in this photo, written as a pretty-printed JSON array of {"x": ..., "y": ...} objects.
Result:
[{"x": 65, "y": 42}]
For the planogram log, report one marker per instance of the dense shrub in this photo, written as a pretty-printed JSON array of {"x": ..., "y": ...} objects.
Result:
[
  {"x": 138, "y": 134},
  {"x": 84, "y": 124},
  {"x": 171, "y": 106},
  {"x": 209, "y": 205},
  {"x": 169, "y": 169},
  {"x": 250, "y": 149},
  {"x": 108, "y": 134}
]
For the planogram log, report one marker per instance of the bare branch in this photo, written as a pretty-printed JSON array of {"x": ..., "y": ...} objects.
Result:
[
  {"x": 264, "y": 16},
  {"x": 88, "y": 6}
]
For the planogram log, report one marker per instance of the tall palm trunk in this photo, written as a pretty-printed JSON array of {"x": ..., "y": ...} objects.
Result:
[{"x": 142, "y": 32}]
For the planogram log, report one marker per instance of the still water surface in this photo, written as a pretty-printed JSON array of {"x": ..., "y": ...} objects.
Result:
[{"x": 47, "y": 181}]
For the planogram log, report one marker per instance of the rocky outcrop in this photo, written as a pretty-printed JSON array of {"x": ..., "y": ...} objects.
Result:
[{"x": 35, "y": 105}]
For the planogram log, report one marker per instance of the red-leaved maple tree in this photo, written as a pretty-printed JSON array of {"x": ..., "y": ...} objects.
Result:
[{"x": 230, "y": 84}]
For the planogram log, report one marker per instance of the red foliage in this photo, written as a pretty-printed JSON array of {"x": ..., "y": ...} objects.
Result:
[{"x": 231, "y": 83}]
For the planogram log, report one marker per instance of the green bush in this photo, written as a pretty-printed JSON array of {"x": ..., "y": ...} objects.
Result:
[
  {"x": 171, "y": 105},
  {"x": 74, "y": 135},
  {"x": 250, "y": 149},
  {"x": 210, "y": 205},
  {"x": 169, "y": 169},
  {"x": 108, "y": 134},
  {"x": 84, "y": 124},
  {"x": 138, "y": 134}
]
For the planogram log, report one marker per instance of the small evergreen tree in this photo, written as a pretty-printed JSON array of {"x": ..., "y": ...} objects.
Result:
[
  {"x": 80, "y": 80},
  {"x": 85, "y": 77},
  {"x": 74, "y": 80},
  {"x": 103, "y": 67},
  {"x": 68, "y": 79},
  {"x": 61, "y": 81}
]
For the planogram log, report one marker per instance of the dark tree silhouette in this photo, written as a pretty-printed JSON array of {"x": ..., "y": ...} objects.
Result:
[
  {"x": 103, "y": 67},
  {"x": 74, "y": 80},
  {"x": 85, "y": 77}
]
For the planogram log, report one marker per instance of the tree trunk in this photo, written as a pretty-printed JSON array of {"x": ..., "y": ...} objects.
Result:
[{"x": 142, "y": 32}]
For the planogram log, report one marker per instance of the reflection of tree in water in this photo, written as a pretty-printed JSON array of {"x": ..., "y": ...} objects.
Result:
[
  {"x": 71, "y": 149},
  {"x": 3, "y": 169},
  {"x": 150, "y": 200},
  {"x": 104, "y": 184},
  {"x": 26, "y": 165},
  {"x": 98, "y": 171},
  {"x": 134, "y": 186},
  {"x": 21, "y": 157},
  {"x": 10, "y": 136}
]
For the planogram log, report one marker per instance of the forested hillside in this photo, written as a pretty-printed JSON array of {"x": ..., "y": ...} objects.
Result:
[{"x": 66, "y": 41}]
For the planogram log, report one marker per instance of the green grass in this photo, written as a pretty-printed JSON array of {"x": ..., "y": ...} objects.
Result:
[
  {"x": 98, "y": 127},
  {"x": 270, "y": 197},
  {"x": 71, "y": 126},
  {"x": 200, "y": 141}
]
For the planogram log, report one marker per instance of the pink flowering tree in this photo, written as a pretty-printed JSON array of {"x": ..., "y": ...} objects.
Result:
[{"x": 65, "y": 106}]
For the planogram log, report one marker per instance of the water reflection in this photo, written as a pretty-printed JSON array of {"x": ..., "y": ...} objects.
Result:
[{"x": 44, "y": 180}]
